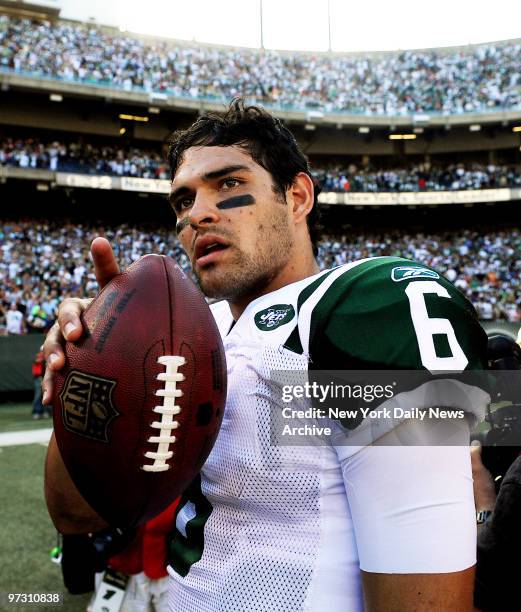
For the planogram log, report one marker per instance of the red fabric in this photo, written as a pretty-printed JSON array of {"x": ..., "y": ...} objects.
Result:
[
  {"x": 147, "y": 552},
  {"x": 38, "y": 364},
  {"x": 130, "y": 561}
]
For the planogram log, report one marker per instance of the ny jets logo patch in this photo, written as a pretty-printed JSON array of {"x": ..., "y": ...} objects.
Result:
[
  {"x": 87, "y": 407},
  {"x": 402, "y": 273},
  {"x": 274, "y": 316}
]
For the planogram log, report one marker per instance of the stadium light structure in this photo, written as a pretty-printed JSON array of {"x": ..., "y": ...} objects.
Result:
[
  {"x": 402, "y": 136},
  {"x": 133, "y": 117}
]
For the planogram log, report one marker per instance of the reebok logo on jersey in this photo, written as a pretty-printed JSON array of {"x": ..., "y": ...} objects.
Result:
[
  {"x": 412, "y": 273},
  {"x": 274, "y": 316}
]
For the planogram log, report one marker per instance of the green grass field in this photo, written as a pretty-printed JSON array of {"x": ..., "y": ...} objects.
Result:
[
  {"x": 26, "y": 532},
  {"x": 17, "y": 417}
]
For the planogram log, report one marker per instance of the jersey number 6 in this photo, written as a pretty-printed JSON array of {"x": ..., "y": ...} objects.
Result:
[{"x": 426, "y": 328}]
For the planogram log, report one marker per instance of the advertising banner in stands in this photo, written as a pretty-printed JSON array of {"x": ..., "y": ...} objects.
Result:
[
  {"x": 145, "y": 185},
  {"x": 68, "y": 179},
  {"x": 131, "y": 183},
  {"x": 414, "y": 198}
]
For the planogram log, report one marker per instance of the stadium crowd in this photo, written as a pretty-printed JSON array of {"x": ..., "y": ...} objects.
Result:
[
  {"x": 449, "y": 81},
  {"x": 41, "y": 263},
  {"x": 83, "y": 157},
  {"x": 419, "y": 177},
  {"x": 119, "y": 161}
]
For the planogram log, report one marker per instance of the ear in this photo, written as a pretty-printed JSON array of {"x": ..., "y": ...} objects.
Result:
[{"x": 301, "y": 196}]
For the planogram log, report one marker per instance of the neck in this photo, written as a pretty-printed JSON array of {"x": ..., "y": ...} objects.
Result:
[{"x": 291, "y": 273}]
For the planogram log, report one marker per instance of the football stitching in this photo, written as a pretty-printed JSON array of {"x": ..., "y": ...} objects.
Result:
[{"x": 167, "y": 411}]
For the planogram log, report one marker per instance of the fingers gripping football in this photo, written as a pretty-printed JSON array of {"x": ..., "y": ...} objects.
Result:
[
  {"x": 105, "y": 264},
  {"x": 67, "y": 327}
]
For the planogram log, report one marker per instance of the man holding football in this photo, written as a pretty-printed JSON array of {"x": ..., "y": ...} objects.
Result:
[{"x": 337, "y": 526}]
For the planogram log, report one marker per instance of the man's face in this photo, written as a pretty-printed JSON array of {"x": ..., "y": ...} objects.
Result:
[{"x": 232, "y": 224}]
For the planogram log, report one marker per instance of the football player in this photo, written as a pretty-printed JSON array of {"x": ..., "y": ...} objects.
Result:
[{"x": 352, "y": 523}]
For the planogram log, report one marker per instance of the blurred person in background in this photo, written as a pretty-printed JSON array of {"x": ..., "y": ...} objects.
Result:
[
  {"x": 144, "y": 560},
  {"x": 38, "y": 369},
  {"x": 499, "y": 536},
  {"x": 498, "y": 511},
  {"x": 15, "y": 322},
  {"x": 37, "y": 319}
]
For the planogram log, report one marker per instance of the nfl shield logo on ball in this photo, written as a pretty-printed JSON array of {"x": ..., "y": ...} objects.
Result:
[{"x": 87, "y": 406}]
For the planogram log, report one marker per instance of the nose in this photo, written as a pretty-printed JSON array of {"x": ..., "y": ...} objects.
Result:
[{"x": 203, "y": 212}]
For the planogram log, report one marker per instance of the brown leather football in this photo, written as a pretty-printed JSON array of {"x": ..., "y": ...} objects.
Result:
[{"x": 140, "y": 400}]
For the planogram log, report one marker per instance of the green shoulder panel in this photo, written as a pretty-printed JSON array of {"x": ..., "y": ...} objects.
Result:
[{"x": 365, "y": 320}]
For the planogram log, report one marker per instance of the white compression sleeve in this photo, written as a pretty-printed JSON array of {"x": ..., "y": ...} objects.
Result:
[{"x": 412, "y": 506}]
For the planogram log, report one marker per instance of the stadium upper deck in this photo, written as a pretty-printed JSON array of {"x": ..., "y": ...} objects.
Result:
[
  {"x": 458, "y": 85},
  {"x": 128, "y": 92}
]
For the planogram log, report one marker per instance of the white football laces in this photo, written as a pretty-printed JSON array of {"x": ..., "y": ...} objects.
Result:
[{"x": 168, "y": 411}]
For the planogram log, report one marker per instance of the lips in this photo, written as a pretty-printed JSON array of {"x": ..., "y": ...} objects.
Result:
[{"x": 208, "y": 249}]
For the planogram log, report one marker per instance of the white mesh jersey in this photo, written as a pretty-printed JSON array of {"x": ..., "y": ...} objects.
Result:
[{"x": 286, "y": 528}]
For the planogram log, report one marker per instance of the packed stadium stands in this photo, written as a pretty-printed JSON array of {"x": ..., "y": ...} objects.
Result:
[
  {"x": 41, "y": 263},
  {"x": 478, "y": 78},
  {"x": 418, "y": 177},
  {"x": 83, "y": 158},
  {"x": 131, "y": 161}
]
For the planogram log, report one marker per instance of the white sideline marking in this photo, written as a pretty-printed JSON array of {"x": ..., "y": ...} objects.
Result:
[{"x": 15, "y": 438}]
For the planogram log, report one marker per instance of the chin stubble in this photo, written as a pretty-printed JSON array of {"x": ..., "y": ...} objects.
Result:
[{"x": 248, "y": 275}]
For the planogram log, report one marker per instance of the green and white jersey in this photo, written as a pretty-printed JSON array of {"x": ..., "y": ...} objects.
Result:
[{"x": 287, "y": 528}]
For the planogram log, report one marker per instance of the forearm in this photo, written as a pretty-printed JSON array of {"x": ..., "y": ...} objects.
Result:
[
  {"x": 69, "y": 511},
  {"x": 419, "y": 592},
  {"x": 413, "y": 512}
]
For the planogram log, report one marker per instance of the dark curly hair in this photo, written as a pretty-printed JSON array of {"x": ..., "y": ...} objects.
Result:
[{"x": 263, "y": 136}]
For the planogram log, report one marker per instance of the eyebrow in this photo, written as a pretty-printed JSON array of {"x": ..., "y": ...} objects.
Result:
[{"x": 209, "y": 176}]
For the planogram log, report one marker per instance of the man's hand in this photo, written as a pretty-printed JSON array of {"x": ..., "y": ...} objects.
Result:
[
  {"x": 68, "y": 326},
  {"x": 484, "y": 490},
  {"x": 67, "y": 508}
]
